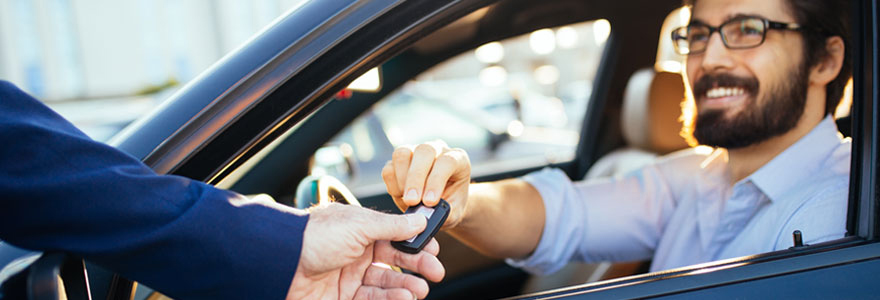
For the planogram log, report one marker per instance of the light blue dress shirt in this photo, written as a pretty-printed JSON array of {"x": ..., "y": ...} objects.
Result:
[{"x": 682, "y": 210}]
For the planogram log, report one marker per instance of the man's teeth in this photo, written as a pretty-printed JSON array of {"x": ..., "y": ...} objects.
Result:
[{"x": 724, "y": 92}]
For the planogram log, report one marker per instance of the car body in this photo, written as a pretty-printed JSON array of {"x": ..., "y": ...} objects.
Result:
[{"x": 253, "y": 121}]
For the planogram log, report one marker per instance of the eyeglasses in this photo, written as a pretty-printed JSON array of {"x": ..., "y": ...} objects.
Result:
[{"x": 737, "y": 33}]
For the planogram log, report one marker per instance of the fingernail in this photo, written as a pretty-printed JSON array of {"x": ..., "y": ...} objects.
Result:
[
  {"x": 429, "y": 196},
  {"x": 411, "y": 195}
]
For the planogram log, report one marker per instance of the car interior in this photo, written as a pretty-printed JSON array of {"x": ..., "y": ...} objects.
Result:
[{"x": 631, "y": 117}]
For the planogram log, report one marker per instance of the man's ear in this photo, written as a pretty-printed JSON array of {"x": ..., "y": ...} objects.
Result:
[{"x": 829, "y": 66}]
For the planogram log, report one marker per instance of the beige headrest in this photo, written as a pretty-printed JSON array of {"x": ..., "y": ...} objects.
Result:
[
  {"x": 652, "y": 100},
  {"x": 651, "y": 108},
  {"x": 667, "y": 59}
]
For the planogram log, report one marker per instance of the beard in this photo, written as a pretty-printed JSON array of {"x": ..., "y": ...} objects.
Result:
[{"x": 778, "y": 111}]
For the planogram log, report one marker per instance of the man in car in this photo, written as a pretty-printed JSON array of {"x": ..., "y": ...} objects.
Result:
[
  {"x": 62, "y": 191},
  {"x": 765, "y": 77}
]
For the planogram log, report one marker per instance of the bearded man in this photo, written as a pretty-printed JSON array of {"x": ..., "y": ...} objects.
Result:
[{"x": 765, "y": 77}]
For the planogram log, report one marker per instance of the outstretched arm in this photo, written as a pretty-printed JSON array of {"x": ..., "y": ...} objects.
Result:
[
  {"x": 62, "y": 191},
  {"x": 500, "y": 219}
]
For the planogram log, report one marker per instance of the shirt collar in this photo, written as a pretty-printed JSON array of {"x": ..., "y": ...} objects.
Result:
[{"x": 798, "y": 161}]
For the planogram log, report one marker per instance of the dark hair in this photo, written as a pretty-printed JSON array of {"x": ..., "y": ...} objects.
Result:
[{"x": 822, "y": 19}]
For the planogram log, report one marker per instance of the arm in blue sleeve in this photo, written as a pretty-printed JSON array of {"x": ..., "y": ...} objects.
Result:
[{"x": 63, "y": 191}]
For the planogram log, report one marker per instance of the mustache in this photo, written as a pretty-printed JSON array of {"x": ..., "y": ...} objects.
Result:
[{"x": 709, "y": 81}]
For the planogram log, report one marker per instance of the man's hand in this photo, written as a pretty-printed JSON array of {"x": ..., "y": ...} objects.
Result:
[
  {"x": 340, "y": 245},
  {"x": 426, "y": 173}
]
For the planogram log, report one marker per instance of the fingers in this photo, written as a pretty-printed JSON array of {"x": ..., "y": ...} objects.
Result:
[
  {"x": 424, "y": 262},
  {"x": 394, "y": 190},
  {"x": 388, "y": 280},
  {"x": 420, "y": 174},
  {"x": 425, "y": 174},
  {"x": 365, "y": 224},
  {"x": 451, "y": 166},
  {"x": 378, "y": 226},
  {"x": 420, "y": 166},
  {"x": 401, "y": 158},
  {"x": 433, "y": 247}
]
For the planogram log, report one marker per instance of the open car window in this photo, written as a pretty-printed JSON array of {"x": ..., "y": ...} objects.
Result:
[
  {"x": 510, "y": 104},
  {"x": 469, "y": 103}
]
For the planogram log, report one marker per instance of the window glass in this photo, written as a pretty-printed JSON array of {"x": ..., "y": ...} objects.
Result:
[{"x": 510, "y": 104}]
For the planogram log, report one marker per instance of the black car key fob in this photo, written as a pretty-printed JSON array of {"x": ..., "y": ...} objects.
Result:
[{"x": 436, "y": 216}]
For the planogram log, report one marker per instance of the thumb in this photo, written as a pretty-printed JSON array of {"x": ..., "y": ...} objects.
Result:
[{"x": 384, "y": 226}]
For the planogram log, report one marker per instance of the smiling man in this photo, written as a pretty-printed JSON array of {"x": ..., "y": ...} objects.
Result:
[{"x": 764, "y": 76}]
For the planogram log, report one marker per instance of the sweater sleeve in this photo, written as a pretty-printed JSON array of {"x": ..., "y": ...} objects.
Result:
[{"x": 62, "y": 191}]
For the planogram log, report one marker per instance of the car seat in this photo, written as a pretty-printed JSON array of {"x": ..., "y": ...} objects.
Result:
[
  {"x": 651, "y": 126},
  {"x": 651, "y": 109}
]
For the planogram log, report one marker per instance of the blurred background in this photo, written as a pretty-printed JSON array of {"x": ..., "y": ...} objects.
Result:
[{"x": 103, "y": 63}]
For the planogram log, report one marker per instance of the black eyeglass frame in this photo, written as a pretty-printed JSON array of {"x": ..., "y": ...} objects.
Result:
[{"x": 712, "y": 29}]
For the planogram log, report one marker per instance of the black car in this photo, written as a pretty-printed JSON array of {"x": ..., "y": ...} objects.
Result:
[{"x": 254, "y": 121}]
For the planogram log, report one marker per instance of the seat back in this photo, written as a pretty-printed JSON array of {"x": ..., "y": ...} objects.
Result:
[
  {"x": 651, "y": 126},
  {"x": 650, "y": 122}
]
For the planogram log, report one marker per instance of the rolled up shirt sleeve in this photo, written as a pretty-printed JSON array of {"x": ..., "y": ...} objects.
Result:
[{"x": 610, "y": 219}]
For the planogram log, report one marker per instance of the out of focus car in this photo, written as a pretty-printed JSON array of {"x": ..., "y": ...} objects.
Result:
[{"x": 255, "y": 121}]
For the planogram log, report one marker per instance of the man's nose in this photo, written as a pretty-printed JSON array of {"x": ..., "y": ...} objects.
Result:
[{"x": 717, "y": 55}]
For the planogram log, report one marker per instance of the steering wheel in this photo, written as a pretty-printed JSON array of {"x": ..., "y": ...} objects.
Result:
[{"x": 314, "y": 190}]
